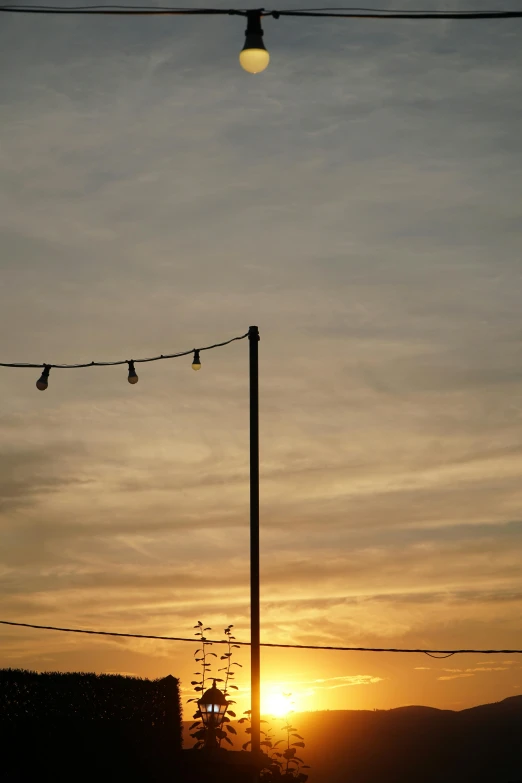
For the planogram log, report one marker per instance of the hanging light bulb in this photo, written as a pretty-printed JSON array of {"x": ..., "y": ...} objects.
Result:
[
  {"x": 254, "y": 57},
  {"x": 196, "y": 363},
  {"x": 43, "y": 381},
  {"x": 133, "y": 375}
]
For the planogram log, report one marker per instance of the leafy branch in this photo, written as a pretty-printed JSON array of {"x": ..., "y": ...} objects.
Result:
[
  {"x": 199, "y": 685},
  {"x": 285, "y": 764},
  {"x": 229, "y": 681}
]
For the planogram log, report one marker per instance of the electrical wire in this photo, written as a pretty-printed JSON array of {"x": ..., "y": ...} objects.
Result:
[
  {"x": 98, "y": 10},
  {"x": 464, "y": 15},
  {"x": 431, "y": 653},
  {"x": 123, "y": 361},
  {"x": 349, "y": 13}
]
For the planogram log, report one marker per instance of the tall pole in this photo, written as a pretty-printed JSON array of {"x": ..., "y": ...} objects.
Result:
[{"x": 255, "y": 650}]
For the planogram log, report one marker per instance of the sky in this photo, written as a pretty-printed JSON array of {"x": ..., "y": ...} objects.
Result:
[{"x": 360, "y": 201}]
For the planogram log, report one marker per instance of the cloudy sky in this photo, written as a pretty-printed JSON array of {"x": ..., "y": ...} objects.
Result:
[{"x": 361, "y": 202}]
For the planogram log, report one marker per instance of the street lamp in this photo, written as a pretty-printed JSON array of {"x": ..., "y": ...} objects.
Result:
[{"x": 212, "y": 707}]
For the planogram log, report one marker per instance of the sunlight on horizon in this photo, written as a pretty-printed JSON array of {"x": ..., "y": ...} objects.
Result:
[{"x": 278, "y": 705}]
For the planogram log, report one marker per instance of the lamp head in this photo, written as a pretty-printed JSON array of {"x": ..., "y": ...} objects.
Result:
[
  {"x": 196, "y": 362},
  {"x": 254, "y": 57},
  {"x": 213, "y": 706},
  {"x": 133, "y": 375},
  {"x": 43, "y": 381}
]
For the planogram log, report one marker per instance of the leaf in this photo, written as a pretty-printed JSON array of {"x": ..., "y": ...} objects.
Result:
[
  {"x": 242, "y": 720},
  {"x": 247, "y": 712},
  {"x": 195, "y": 682},
  {"x": 214, "y": 654},
  {"x": 245, "y": 745},
  {"x": 195, "y": 725},
  {"x": 235, "y": 688},
  {"x": 298, "y": 744},
  {"x": 189, "y": 700},
  {"x": 267, "y": 743},
  {"x": 298, "y": 736},
  {"x": 289, "y": 753},
  {"x": 227, "y": 739},
  {"x": 199, "y": 688},
  {"x": 231, "y": 729},
  {"x": 207, "y": 629},
  {"x": 248, "y": 731},
  {"x": 237, "y": 664},
  {"x": 277, "y": 743},
  {"x": 232, "y": 713},
  {"x": 237, "y": 645}
]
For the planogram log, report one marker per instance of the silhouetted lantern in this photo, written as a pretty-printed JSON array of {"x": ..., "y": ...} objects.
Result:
[{"x": 213, "y": 706}]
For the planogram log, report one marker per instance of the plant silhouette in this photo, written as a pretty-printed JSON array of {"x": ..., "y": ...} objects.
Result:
[{"x": 198, "y": 730}]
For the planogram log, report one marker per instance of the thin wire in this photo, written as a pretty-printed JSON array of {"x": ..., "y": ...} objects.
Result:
[
  {"x": 431, "y": 653},
  {"x": 385, "y": 10},
  {"x": 174, "y": 11},
  {"x": 98, "y": 10},
  {"x": 467, "y": 15},
  {"x": 123, "y": 361}
]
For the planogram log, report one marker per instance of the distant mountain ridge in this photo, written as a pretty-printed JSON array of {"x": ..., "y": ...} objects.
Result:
[{"x": 414, "y": 744}]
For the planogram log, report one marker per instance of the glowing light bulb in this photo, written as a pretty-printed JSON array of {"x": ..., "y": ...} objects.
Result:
[
  {"x": 133, "y": 375},
  {"x": 196, "y": 363},
  {"x": 254, "y": 57},
  {"x": 43, "y": 381}
]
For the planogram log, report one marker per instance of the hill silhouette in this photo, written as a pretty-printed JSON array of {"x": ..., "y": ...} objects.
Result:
[{"x": 413, "y": 744}]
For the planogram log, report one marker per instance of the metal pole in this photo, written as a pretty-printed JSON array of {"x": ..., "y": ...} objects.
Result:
[{"x": 255, "y": 652}]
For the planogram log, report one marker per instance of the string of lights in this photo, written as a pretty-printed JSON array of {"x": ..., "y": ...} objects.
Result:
[
  {"x": 254, "y": 57},
  {"x": 431, "y": 653},
  {"x": 43, "y": 381}
]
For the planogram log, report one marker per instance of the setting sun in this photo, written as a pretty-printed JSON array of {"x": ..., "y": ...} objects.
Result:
[{"x": 276, "y": 704}]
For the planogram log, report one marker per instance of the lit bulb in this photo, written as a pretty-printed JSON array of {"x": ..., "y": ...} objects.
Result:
[
  {"x": 133, "y": 376},
  {"x": 196, "y": 363},
  {"x": 43, "y": 381},
  {"x": 254, "y": 57}
]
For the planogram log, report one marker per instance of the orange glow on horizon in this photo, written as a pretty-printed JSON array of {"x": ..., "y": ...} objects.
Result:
[{"x": 278, "y": 705}]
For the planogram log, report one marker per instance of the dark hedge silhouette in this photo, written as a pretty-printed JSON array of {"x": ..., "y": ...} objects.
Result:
[
  {"x": 103, "y": 726},
  {"x": 28, "y": 694}
]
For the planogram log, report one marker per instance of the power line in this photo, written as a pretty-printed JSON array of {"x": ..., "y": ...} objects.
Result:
[
  {"x": 43, "y": 381},
  {"x": 122, "y": 361},
  {"x": 431, "y": 653},
  {"x": 254, "y": 57},
  {"x": 339, "y": 13}
]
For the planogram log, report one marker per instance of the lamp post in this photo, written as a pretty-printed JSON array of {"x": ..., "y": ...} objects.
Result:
[
  {"x": 255, "y": 650},
  {"x": 212, "y": 707}
]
